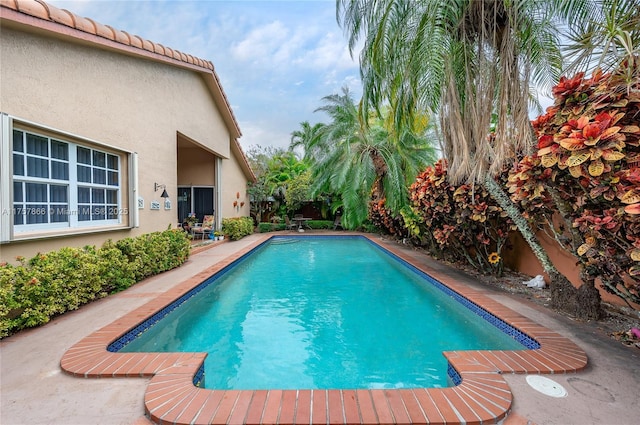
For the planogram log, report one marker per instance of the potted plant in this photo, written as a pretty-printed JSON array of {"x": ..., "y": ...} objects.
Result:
[{"x": 191, "y": 219}]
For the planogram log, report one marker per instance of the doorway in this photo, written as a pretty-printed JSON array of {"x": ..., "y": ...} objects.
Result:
[{"x": 196, "y": 199}]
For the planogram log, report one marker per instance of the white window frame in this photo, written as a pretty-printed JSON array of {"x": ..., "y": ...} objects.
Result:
[{"x": 9, "y": 230}]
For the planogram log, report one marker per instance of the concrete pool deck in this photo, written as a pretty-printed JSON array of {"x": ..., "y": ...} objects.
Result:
[{"x": 34, "y": 390}]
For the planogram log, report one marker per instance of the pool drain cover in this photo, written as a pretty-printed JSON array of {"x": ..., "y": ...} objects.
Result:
[{"x": 546, "y": 386}]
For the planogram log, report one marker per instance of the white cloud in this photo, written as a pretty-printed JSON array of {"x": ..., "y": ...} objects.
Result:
[
  {"x": 330, "y": 52},
  {"x": 264, "y": 134},
  {"x": 262, "y": 43}
]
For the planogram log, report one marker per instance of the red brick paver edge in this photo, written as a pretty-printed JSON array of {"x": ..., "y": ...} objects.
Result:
[{"x": 171, "y": 398}]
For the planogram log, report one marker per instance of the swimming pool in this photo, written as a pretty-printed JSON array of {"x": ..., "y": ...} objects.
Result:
[
  {"x": 337, "y": 312},
  {"x": 481, "y": 394}
]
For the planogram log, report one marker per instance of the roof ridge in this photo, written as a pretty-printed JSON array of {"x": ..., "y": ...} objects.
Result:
[{"x": 42, "y": 10}]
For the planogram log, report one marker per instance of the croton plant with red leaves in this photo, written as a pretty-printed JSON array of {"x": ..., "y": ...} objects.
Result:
[
  {"x": 384, "y": 219},
  {"x": 589, "y": 154},
  {"x": 463, "y": 223}
]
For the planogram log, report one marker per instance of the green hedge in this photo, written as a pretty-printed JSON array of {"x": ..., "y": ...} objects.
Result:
[
  {"x": 237, "y": 227},
  {"x": 320, "y": 224},
  {"x": 53, "y": 283},
  {"x": 314, "y": 224},
  {"x": 270, "y": 227}
]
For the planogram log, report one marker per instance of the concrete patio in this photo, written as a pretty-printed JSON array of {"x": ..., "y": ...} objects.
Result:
[{"x": 34, "y": 390}]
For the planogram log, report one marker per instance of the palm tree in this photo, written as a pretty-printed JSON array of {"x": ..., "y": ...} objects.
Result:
[
  {"x": 468, "y": 60},
  {"x": 307, "y": 138},
  {"x": 609, "y": 37},
  {"x": 359, "y": 161}
]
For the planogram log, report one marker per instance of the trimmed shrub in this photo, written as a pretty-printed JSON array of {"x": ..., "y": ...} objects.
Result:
[
  {"x": 270, "y": 227},
  {"x": 155, "y": 252},
  {"x": 50, "y": 284},
  {"x": 320, "y": 224},
  {"x": 237, "y": 227}
]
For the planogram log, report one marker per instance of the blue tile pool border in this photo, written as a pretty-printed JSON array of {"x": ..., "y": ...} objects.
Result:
[{"x": 524, "y": 339}]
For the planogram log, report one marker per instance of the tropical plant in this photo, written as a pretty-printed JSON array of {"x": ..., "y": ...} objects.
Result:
[
  {"x": 282, "y": 168},
  {"x": 361, "y": 161},
  {"x": 298, "y": 191},
  {"x": 587, "y": 163},
  {"x": 608, "y": 37},
  {"x": 460, "y": 223},
  {"x": 387, "y": 220},
  {"x": 469, "y": 61},
  {"x": 274, "y": 169},
  {"x": 308, "y": 138}
]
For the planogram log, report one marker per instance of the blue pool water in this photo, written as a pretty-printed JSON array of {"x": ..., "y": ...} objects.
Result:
[{"x": 320, "y": 313}]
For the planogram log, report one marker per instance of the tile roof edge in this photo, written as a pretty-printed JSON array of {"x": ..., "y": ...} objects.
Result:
[
  {"x": 41, "y": 10},
  {"x": 47, "y": 12}
]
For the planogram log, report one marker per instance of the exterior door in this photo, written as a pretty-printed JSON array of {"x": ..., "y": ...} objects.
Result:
[
  {"x": 196, "y": 199},
  {"x": 203, "y": 202},
  {"x": 184, "y": 202}
]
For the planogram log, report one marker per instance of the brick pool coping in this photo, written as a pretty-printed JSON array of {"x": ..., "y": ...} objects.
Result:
[{"x": 482, "y": 397}]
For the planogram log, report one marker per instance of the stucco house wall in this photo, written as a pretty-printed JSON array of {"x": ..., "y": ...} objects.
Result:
[{"x": 129, "y": 103}]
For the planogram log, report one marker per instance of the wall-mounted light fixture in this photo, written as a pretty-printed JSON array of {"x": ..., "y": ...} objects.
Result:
[{"x": 157, "y": 186}]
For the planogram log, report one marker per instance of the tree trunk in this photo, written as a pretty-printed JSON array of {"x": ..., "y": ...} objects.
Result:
[
  {"x": 564, "y": 296},
  {"x": 587, "y": 297}
]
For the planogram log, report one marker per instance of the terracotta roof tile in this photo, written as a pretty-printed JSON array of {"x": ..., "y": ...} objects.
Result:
[
  {"x": 102, "y": 30},
  {"x": 122, "y": 37},
  {"x": 33, "y": 8},
  {"x": 61, "y": 16},
  {"x": 83, "y": 24},
  {"x": 47, "y": 12}
]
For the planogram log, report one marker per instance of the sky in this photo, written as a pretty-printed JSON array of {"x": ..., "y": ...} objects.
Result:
[{"x": 276, "y": 60}]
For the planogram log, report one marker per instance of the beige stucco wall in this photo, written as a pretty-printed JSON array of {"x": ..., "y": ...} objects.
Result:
[
  {"x": 196, "y": 167},
  {"x": 234, "y": 182},
  {"x": 127, "y": 102}
]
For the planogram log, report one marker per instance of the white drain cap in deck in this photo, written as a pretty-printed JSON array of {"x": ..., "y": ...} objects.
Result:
[{"x": 546, "y": 386}]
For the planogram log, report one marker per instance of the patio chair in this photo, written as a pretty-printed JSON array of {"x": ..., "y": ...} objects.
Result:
[
  {"x": 204, "y": 229},
  {"x": 337, "y": 222},
  {"x": 288, "y": 224}
]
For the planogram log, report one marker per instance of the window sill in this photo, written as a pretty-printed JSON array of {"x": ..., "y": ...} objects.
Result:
[{"x": 64, "y": 233}]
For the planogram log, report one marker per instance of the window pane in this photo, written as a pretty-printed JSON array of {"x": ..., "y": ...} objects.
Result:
[
  {"x": 112, "y": 197},
  {"x": 84, "y": 174},
  {"x": 99, "y": 159},
  {"x": 84, "y": 212},
  {"x": 17, "y": 141},
  {"x": 97, "y": 196},
  {"x": 112, "y": 162},
  {"x": 37, "y": 145},
  {"x": 113, "y": 178},
  {"x": 36, "y": 192},
  {"x": 112, "y": 213},
  {"x": 99, "y": 176},
  {"x": 84, "y": 155},
  {"x": 37, "y": 213},
  {"x": 84, "y": 195},
  {"x": 18, "y": 165},
  {"x": 57, "y": 193},
  {"x": 59, "y": 150},
  {"x": 37, "y": 167},
  {"x": 18, "y": 217},
  {"x": 59, "y": 213},
  {"x": 98, "y": 212},
  {"x": 59, "y": 170},
  {"x": 17, "y": 192}
]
